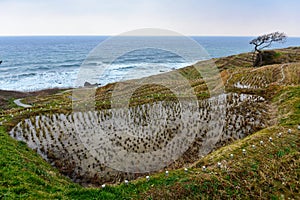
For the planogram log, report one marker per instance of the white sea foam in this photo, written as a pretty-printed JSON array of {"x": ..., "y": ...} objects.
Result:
[
  {"x": 39, "y": 81},
  {"x": 67, "y": 78},
  {"x": 34, "y": 63}
]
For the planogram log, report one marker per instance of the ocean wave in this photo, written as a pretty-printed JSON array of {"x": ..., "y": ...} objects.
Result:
[
  {"x": 30, "y": 64},
  {"x": 73, "y": 60},
  {"x": 65, "y": 75},
  {"x": 69, "y": 65},
  {"x": 38, "y": 81}
]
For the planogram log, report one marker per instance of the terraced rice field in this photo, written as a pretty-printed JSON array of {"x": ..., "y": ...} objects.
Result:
[
  {"x": 158, "y": 130},
  {"x": 116, "y": 144}
]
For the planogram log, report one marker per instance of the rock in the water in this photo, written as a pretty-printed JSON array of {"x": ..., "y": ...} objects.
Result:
[{"x": 88, "y": 84}]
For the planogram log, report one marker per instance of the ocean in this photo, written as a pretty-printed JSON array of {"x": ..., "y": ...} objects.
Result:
[{"x": 40, "y": 62}]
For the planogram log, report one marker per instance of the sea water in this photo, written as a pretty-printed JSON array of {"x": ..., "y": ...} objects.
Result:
[{"x": 39, "y": 62}]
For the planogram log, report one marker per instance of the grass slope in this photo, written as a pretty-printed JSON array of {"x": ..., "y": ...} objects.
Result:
[{"x": 269, "y": 171}]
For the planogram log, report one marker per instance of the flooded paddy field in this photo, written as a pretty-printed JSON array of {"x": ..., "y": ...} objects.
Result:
[{"x": 109, "y": 146}]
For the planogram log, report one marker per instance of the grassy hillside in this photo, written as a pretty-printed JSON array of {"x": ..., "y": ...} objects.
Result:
[{"x": 269, "y": 170}]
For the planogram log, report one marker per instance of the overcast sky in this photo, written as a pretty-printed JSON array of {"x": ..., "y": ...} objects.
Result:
[{"x": 111, "y": 17}]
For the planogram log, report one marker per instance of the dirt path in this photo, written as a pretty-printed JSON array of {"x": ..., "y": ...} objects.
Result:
[
  {"x": 282, "y": 72},
  {"x": 19, "y": 103}
]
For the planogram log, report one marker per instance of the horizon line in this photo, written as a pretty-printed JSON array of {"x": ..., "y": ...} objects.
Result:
[{"x": 95, "y": 35}]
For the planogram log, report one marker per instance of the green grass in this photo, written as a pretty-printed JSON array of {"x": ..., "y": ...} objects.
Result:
[
  {"x": 266, "y": 172},
  {"x": 25, "y": 174},
  {"x": 270, "y": 171},
  {"x": 11, "y": 103},
  {"x": 288, "y": 102}
]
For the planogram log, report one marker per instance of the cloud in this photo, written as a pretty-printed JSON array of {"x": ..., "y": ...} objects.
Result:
[{"x": 106, "y": 17}]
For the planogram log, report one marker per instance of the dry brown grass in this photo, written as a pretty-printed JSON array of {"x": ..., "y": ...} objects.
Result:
[{"x": 269, "y": 171}]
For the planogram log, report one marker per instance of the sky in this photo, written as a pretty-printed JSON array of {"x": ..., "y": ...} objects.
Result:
[{"x": 113, "y": 17}]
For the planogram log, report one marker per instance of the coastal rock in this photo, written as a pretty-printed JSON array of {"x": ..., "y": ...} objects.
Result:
[{"x": 88, "y": 84}]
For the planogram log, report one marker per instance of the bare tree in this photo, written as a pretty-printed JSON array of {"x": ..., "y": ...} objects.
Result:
[{"x": 265, "y": 41}]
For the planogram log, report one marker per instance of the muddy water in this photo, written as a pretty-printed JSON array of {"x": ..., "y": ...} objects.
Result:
[{"x": 113, "y": 145}]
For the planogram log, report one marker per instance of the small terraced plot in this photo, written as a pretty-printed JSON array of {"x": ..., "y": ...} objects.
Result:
[{"x": 112, "y": 145}]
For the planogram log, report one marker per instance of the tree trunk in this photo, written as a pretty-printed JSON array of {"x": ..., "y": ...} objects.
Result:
[
  {"x": 257, "y": 62},
  {"x": 260, "y": 58}
]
